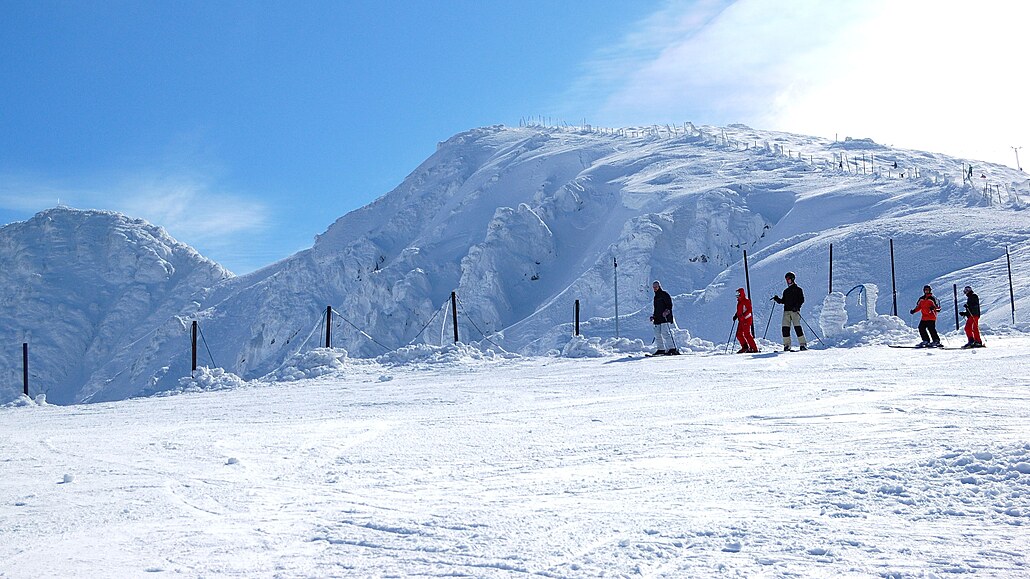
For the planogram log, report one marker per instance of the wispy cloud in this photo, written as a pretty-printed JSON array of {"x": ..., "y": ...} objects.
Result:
[
  {"x": 924, "y": 74},
  {"x": 192, "y": 208},
  {"x": 187, "y": 205}
]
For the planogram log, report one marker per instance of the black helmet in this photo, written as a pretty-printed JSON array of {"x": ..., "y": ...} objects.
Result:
[{"x": 789, "y": 275}]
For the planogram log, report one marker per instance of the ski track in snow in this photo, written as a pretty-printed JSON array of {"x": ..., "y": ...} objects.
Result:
[{"x": 859, "y": 462}]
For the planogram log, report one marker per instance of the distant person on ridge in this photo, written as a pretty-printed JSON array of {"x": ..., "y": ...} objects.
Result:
[
  {"x": 662, "y": 320},
  {"x": 792, "y": 299},
  {"x": 971, "y": 312},
  {"x": 928, "y": 306},
  {"x": 744, "y": 317}
]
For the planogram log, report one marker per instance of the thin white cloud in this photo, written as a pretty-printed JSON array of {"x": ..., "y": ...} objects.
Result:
[
  {"x": 935, "y": 75},
  {"x": 187, "y": 206},
  {"x": 191, "y": 208}
]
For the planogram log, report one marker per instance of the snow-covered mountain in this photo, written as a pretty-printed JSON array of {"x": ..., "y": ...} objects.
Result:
[
  {"x": 521, "y": 223},
  {"x": 95, "y": 294}
]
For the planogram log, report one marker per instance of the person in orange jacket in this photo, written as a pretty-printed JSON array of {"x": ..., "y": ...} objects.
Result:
[
  {"x": 745, "y": 319},
  {"x": 928, "y": 306}
]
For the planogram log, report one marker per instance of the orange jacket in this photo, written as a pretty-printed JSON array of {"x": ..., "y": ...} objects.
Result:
[{"x": 927, "y": 306}]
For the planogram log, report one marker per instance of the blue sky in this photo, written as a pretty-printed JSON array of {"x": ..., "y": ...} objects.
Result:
[{"x": 246, "y": 128}]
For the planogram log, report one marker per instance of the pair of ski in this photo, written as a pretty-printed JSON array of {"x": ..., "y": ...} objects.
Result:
[{"x": 924, "y": 347}]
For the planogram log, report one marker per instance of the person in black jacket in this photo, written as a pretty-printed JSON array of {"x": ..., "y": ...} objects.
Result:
[
  {"x": 971, "y": 312},
  {"x": 792, "y": 299},
  {"x": 662, "y": 320}
]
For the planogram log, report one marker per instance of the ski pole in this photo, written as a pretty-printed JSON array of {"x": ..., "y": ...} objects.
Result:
[
  {"x": 809, "y": 327},
  {"x": 673, "y": 336},
  {"x": 733, "y": 326},
  {"x": 769, "y": 321}
]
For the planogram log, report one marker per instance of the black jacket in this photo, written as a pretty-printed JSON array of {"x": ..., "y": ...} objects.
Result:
[
  {"x": 973, "y": 305},
  {"x": 792, "y": 298},
  {"x": 662, "y": 303}
]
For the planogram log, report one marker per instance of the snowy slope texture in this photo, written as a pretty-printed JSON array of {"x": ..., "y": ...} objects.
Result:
[
  {"x": 94, "y": 294},
  {"x": 522, "y": 222}
]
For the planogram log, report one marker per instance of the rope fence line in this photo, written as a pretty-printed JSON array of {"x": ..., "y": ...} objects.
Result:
[
  {"x": 433, "y": 317},
  {"x": 362, "y": 332},
  {"x": 209, "y": 355},
  {"x": 465, "y": 313},
  {"x": 320, "y": 325}
]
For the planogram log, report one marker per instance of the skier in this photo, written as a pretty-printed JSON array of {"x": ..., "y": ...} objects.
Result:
[
  {"x": 971, "y": 312},
  {"x": 792, "y": 299},
  {"x": 928, "y": 306},
  {"x": 662, "y": 320},
  {"x": 745, "y": 317}
]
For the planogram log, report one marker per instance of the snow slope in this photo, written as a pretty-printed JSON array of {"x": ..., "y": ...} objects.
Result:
[
  {"x": 859, "y": 462},
  {"x": 522, "y": 222}
]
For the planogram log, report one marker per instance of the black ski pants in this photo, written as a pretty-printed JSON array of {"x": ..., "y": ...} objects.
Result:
[{"x": 928, "y": 331}]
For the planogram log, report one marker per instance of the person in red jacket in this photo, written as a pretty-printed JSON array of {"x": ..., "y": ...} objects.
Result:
[
  {"x": 971, "y": 312},
  {"x": 928, "y": 306},
  {"x": 745, "y": 319}
]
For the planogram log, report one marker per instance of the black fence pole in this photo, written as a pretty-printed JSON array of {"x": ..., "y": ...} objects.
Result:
[
  {"x": 615, "y": 269},
  {"x": 577, "y": 317},
  {"x": 747, "y": 285},
  {"x": 193, "y": 346},
  {"x": 894, "y": 284},
  {"x": 454, "y": 315},
  {"x": 1012, "y": 293},
  {"x": 954, "y": 290},
  {"x": 831, "y": 269},
  {"x": 25, "y": 366},
  {"x": 329, "y": 326}
]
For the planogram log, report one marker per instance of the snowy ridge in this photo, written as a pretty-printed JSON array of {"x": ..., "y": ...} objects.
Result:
[{"x": 522, "y": 222}]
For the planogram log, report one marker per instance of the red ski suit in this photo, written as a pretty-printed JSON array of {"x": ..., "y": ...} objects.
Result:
[{"x": 745, "y": 318}]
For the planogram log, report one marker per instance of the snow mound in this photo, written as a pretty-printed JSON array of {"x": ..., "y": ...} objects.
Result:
[
  {"x": 850, "y": 144},
  {"x": 429, "y": 354},
  {"x": 311, "y": 364},
  {"x": 686, "y": 343},
  {"x": 1006, "y": 329},
  {"x": 834, "y": 315},
  {"x": 206, "y": 380},
  {"x": 583, "y": 347},
  {"x": 878, "y": 330},
  {"x": 22, "y": 400}
]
